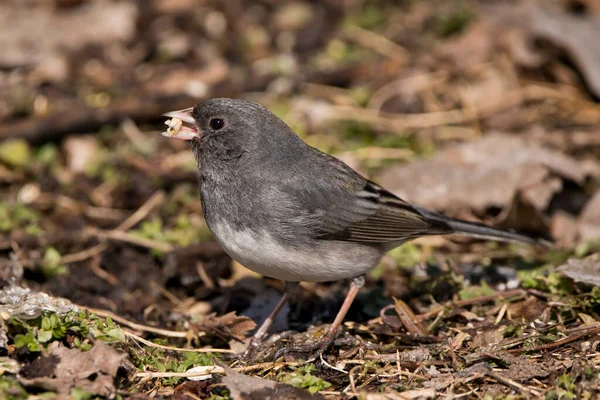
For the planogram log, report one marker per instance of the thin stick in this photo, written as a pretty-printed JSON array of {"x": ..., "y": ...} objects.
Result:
[
  {"x": 136, "y": 326},
  {"x": 160, "y": 346},
  {"x": 512, "y": 384},
  {"x": 141, "y": 213},
  {"x": 210, "y": 369},
  {"x": 84, "y": 254},
  {"x": 133, "y": 239},
  {"x": 378, "y": 43},
  {"x": 215, "y": 370}
]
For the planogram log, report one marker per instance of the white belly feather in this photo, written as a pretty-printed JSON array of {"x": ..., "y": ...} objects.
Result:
[{"x": 326, "y": 261}]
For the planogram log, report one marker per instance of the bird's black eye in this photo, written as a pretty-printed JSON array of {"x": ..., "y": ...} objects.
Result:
[{"x": 217, "y": 123}]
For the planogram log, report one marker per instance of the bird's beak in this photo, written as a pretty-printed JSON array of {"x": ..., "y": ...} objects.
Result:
[{"x": 176, "y": 129}]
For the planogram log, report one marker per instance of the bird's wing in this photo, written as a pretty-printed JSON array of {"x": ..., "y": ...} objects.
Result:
[
  {"x": 378, "y": 216},
  {"x": 342, "y": 205}
]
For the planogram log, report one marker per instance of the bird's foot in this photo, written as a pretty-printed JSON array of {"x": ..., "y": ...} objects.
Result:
[
  {"x": 249, "y": 355},
  {"x": 306, "y": 351},
  {"x": 259, "y": 348}
]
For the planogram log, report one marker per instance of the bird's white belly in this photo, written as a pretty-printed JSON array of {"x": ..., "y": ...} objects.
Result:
[{"x": 324, "y": 261}]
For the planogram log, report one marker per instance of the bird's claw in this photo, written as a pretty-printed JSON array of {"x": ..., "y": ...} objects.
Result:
[{"x": 305, "y": 351}]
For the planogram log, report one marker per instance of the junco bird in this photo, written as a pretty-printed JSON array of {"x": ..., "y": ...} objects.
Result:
[{"x": 289, "y": 211}]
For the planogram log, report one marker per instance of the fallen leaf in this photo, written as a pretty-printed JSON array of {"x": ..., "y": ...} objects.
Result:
[
  {"x": 481, "y": 174},
  {"x": 93, "y": 371},
  {"x": 585, "y": 270},
  {"x": 227, "y": 325},
  {"x": 494, "y": 171},
  {"x": 243, "y": 387},
  {"x": 32, "y": 33},
  {"x": 588, "y": 224},
  {"x": 577, "y": 35},
  {"x": 487, "y": 339}
]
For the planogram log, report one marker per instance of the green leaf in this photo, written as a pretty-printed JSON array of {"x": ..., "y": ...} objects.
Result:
[
  {"x": 44, "y": 336},
  {"x": 15, "y": 153}
]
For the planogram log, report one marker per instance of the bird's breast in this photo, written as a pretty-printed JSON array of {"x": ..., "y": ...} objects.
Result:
[{"x": 318, "y": 261}]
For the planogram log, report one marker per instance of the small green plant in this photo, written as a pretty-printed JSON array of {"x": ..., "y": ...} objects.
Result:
[
  {"x": 303, "y": 378},
  {"x": 512, "y": 330},
  {"x": 407, "y": 255},
  {"x": 565, "y": 389},
  {"x": 37, "y": 333},
  {"x": 15, "y": 216},
  {"x": 454, "y": 22},
  {"x": 182, "y": 234},
  {"x": 11, "y": 389},
  {"x": 47, "y": 155},
  {"x": 51, "y": 264},
  {"x": 155, "y": 359}
]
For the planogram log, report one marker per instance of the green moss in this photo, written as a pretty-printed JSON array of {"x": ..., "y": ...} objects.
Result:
[
  {"x": 545, "y": 281},
  {"x": 454, "y": 22},
  {"x": 47, "y": 155},
  {"x": 407, "y": 255},
  {"x": 371, "y": 16},
  {"x": 181, "y": 197},
  {"x": 474, "y": 291},
  {"x": 11, "y": 389},
  {"x": 154, "y": 359},
  {"x": 15, "y": 153},
  {"x": 14, "y": 216},
  {"x": 183, "y": 233}
]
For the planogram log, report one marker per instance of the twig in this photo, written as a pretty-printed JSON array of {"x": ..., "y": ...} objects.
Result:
[
  {"x": 84, "y": 254},
  {"x": 160, "y": 346},
  {"x": 408, "y": 318},
  {"x": 155, "y": 200},
  {"x": 476, "y": 300},
  {"x": 558, "y": 343},
  {"x": 401, "y": 122},
  {"x": 210, "y": 369},
  {"x": 207, "y": 280},
  {"x": 139, "y": 327},
  {"x": 378, "y": 43},
  {"x": 101, "y": 273},
  {"x": 141, "y": 213},
  {"x": 133, "y": 239},
  {"x": 513, "y": 384},
  {"x": 215, "y": 369},
  {"x": 415, "y": 83}
]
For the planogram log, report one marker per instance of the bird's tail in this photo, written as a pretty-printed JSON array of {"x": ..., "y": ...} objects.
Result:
[{"x": 481, "y": 231}]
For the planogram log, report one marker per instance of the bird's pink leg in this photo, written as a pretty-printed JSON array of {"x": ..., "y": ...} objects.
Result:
[{"x": 320, "y": 345}]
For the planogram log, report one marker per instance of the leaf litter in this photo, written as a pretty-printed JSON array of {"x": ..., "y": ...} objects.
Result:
[{"x": 481, "y": 112}]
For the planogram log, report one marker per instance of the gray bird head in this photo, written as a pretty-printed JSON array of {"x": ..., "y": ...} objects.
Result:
[{"x": 225, "y": 129}]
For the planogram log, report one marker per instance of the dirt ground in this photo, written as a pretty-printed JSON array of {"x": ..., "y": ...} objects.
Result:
[{"x": 111, "y": 285}]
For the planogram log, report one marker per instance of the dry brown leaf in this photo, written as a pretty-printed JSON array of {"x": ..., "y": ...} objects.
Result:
[
  {"x": 588, "y": 223},
  {"x": 500, "y": 171},
  {"x": 577, "y": 35},
  {"x": 93, "y": 371},
  {"x": 34, "y": 33},
  {"x": 585, "y": 270},
  {"x": 487, "y": 339},
  {"x": 243, "y": 387},
  {"x": 227, "y": 325}
]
